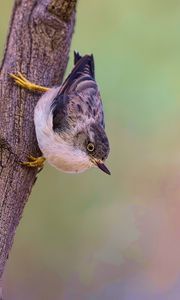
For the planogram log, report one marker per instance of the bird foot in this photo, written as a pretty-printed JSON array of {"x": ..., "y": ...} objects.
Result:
[
  {"x": 34, "y": 162},
  {"x": 26, "y": 84}
]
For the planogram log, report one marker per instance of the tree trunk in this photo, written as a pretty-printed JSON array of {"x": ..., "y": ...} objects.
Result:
[{"x": 38, "y": 46}]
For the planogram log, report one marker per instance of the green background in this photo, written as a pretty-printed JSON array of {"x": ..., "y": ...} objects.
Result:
[{"x": 98, "y": 237}]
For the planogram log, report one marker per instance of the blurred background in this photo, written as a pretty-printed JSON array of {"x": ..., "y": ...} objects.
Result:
[{"x": 98, "y": 237}]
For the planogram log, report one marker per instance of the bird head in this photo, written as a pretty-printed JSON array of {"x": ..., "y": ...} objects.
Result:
[{"x": 93, "y": 143}]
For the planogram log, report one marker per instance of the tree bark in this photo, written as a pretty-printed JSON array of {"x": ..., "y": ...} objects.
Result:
[{"x": 38, "y": 46}]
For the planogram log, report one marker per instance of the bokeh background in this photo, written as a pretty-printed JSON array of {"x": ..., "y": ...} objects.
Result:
[{"x": 98, "y": 237}]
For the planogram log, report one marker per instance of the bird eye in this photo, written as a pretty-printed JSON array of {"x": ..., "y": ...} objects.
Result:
[{"x": 90, "y": 147}]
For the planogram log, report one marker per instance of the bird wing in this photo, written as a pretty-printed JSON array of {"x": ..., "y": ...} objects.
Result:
[{"x": 78, "y": 97}]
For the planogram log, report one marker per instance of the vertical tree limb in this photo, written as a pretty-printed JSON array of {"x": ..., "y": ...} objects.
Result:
[{"x": 38, "y": 46}]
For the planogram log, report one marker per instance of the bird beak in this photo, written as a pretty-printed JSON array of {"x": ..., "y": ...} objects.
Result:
[{"x": 99, "y": 163}]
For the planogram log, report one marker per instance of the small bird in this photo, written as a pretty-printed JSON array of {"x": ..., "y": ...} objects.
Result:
[{"x": 69, "y": 121}]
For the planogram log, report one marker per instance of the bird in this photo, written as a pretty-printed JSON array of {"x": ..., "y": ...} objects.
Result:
[{"x": 69, "y": 121}]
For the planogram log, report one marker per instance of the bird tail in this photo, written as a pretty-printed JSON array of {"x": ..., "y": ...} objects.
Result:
[
  {"x": 77, "y": 57},
  {"x": 84, "y": 64},
  {"x": 83, "y": 68}
]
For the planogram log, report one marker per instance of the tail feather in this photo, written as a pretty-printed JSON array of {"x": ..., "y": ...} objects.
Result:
[
  {"x": 77, "y": 57},
  {"x": 84, "y": 66}
]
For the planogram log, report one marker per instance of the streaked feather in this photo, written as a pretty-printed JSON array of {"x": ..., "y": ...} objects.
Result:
[{"x": 78, "y": 100}]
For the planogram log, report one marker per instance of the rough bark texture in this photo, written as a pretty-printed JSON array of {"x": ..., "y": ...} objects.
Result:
[{"x": 38, "y": 46}]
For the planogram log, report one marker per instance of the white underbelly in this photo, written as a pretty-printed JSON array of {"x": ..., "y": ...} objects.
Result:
[
  {"x": 63, "y": 156},
  {"x": 67, "y": 166}
]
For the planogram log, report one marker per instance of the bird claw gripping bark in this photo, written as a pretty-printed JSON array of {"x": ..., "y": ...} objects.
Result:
[
  {"x": 25, "y": 83},
  {"x": 34, "y": 162}
]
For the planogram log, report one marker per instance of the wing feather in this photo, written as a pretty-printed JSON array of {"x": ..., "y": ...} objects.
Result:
[{"x": 79, "y": 98}]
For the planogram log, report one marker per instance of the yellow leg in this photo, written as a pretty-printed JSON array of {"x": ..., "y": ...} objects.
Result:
[
  {"x": 23, "y": 82},
  {"x": 35, "y": 162}
]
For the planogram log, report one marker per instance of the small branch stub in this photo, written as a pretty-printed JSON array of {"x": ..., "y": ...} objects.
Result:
[{"x": 62, "y": 9}]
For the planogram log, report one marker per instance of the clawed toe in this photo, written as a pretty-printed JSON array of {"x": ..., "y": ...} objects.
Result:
[
  {"x": 26, "y": 84},
  {"x": 34, "y": 162}
]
